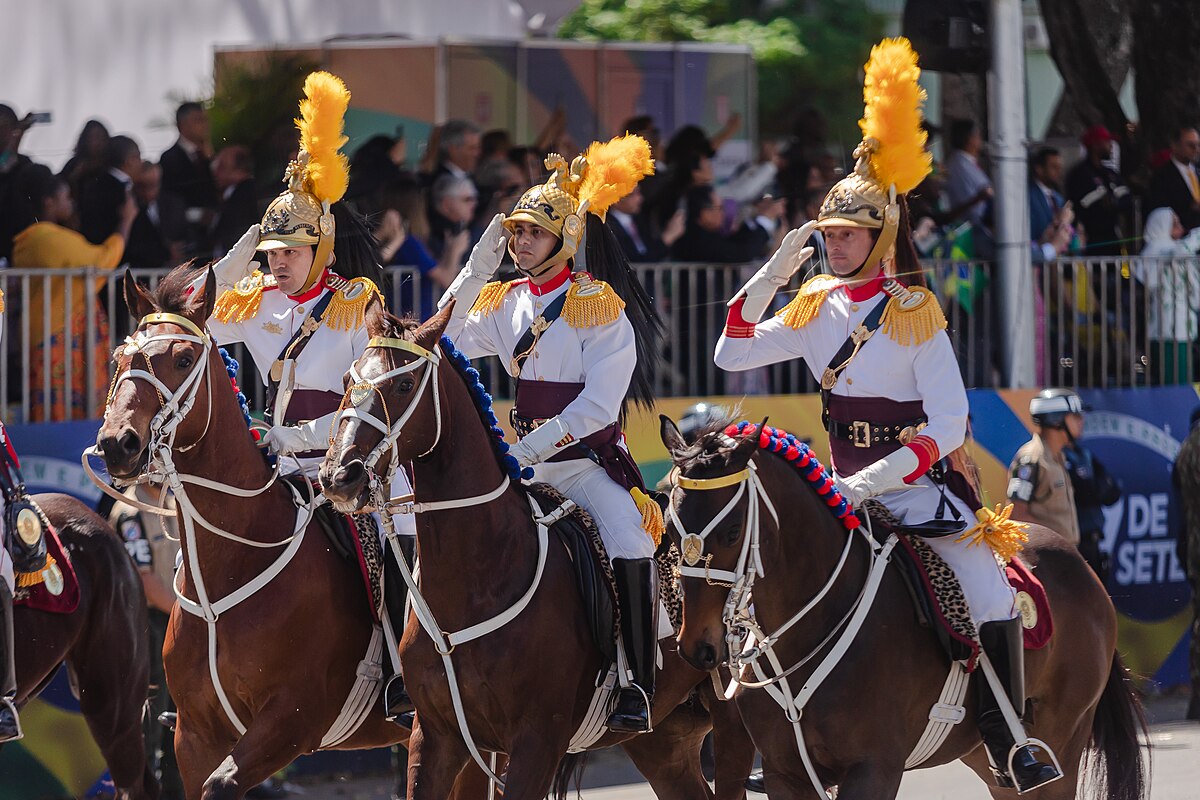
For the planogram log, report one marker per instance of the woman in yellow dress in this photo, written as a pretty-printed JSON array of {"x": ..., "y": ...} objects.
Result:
[{"x": 49, "y": 244}]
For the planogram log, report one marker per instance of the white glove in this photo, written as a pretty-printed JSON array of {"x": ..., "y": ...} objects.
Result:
[
  {"x": 885, "y": 475},
  {"x": 481, "y": 266},
  {"x": 545, "y": 441},
  {"x": 238, "y": 262},
  {"x": 787, "y": 260},
  {"x": 311, "y": 435}
]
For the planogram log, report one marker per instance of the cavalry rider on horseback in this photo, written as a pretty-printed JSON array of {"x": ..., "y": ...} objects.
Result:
[
  {"x": 893, "y": 401},
  {"x": 23, "y": 563},
  {"x": 580, "y": 345},
  {"x": 304, "y": 323}
]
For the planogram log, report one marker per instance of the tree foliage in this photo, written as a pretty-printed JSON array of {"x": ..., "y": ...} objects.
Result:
[{"x": 808, "y": 52}]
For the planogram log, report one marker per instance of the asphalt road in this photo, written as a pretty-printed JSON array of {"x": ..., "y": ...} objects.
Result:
[{"x": 1175, "y": 775}]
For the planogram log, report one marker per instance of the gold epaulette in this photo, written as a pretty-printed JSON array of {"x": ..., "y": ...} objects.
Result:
[
  {"x": 590, "y": 302},
  {"x": 1, "y": 302},
  {"x": 808, "y": 301},
  {"x": 242, "y": 301},
  {"x": 913, "y": 315},
  {"x": 491, "y": 296},
  {"x": 348, "y": 308}
]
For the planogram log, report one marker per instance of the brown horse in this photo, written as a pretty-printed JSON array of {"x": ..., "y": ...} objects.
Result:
[
  {"x": 526, "y": 686},
  {"x": 863, "y": 722},
  {"x": 287, "y": 655},
  {"x": 103, "y": 643}
]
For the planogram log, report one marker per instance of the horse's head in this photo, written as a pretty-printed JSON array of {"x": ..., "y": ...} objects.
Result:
[
  {"x": 392, "y": 409},
  {"x": 159, "y": 371},
  {"x": 710, "y": 508}
]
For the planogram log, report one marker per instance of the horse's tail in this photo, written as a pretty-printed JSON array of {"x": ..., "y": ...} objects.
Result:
[
  {"x": 1113, "y": 762},
  {"x": 570, "y": 767}
]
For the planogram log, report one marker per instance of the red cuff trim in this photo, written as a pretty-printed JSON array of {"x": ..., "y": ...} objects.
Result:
[
  {"x": 927, "y": 453},
  {"x": 735, "y": 326}
]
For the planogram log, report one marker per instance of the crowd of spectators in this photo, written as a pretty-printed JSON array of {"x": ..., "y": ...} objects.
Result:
[{"x": 112, "y": 205}]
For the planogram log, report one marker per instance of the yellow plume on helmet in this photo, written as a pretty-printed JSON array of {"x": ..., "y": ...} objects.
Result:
[
  {"x": 892, "y": 116},
  {"x": 322, "y": 112},
  {"x": 613, "y": 170}
]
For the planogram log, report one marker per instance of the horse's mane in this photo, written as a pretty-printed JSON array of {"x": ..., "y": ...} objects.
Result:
[
  {"x": 173, "y": 294},
  {"x": 480, "y": 399},
  {"x": 711, "y": 449}
]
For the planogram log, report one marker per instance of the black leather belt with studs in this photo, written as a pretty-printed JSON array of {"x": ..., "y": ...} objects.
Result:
[{"x": 870, "y": 434}]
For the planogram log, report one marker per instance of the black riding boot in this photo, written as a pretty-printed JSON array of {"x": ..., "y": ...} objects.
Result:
[
  {"x": 1003, "y": 644},
  {"x": 395, "y": 591},
  {"x": 637, "y": 590},
  {"x": 10, "y": 723}
]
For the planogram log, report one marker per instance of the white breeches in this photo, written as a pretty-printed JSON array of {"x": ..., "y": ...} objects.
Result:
[
  {"x": 988, "y": 594},
  {"x": 406, "y": 524},
  {"x": 612, "y": 507}
]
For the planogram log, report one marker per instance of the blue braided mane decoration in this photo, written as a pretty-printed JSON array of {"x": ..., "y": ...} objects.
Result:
[
  {"x": 231, "y": 367},
  {"x": 483, "y": 404},
  {"x": 800, "y": 455}
]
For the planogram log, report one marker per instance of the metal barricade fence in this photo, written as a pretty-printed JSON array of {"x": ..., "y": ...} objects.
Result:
[{"x": 1100, "y": 322}]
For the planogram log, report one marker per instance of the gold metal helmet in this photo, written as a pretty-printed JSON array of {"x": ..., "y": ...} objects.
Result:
[
  {"x": 590, "y": 184},
  {"x": 892, "y": 159},
  {"x": 553, "y": 205},
  {"x": 302, "y": 216}
]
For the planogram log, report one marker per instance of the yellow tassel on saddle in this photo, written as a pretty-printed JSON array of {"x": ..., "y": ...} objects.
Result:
[
  {"x": 348, "y": 309},
  {"x": 807, "y": 303},
  {"x": 242, "y": 301},
  {"x": 913, "y": 319},
  {"x": 1005, "y": 536},
  {"x": 652, "y": 516},
  {"x": 590, "y": 303},
  {"x": 490, "y": 297},
  {"x": 25, "y": 580}
]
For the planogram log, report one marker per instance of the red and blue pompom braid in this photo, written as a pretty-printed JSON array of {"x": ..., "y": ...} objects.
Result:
[
  {"x": 483, "y": 402},
  {"x": 799, "y": 455},
  {"x": 231, "y": 368}
]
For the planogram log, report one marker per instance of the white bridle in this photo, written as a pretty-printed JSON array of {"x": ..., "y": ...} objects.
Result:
[{"x": 745, "y": 641}]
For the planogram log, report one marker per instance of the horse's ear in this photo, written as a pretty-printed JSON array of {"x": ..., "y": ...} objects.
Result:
[
  {"x": 672, "y": 439},
  {"x": 376, "y": 318},
  {"x": 744, "y": 450},
  {"x": 137, "y": 299},
  {"x": 431, "y": 331},
  {"x": 210, "y": 297}
]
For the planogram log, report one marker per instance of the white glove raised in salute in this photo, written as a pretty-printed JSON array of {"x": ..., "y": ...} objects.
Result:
[
  {"x": 786, "y": 262},
  {"x": 237, "y": 263},
  {"x": 481, "y": 266}
]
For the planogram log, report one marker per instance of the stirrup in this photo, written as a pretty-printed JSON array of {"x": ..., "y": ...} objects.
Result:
[
  {"x": 1031, "y": 742},
  {"x": 399, "y": 704},
  {"x": 6, "y": 703},
  {"x": 168, "y": 719},
  {"x": 645, "y": 700}
]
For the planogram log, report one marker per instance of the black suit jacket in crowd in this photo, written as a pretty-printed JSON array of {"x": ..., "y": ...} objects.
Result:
[
  {"x": 236, "y": 213},
  {"x": 1168, "y": 189},
  {"x": 149, "y": 245},
  {"x": 656, "y": 249},
  {"x": 697, "y": 245},
  {"x": 189, "y": 179},
  {"x": 101, "y": 197}
]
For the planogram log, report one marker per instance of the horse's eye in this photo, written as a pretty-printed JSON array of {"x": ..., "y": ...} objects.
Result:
[
  {"x": 184, "y": 362},
  {"x": 405, "y": 386},
  {"x": 732, "y": 534}
]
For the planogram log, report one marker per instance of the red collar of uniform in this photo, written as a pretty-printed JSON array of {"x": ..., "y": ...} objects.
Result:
[
  {"x": 554, "y": 283},
  {"x": 867, "y": 290},
  {"x": 316, "y": 289}
]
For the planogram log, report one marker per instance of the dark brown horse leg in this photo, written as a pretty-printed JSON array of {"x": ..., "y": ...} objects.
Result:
[
  {"x": 197, "y": 759},
  {"x": 871, "y": 781},
  {"x": 669, "y": 758},
  {"x": 472, "y": 783},
  {"x": 434, "y": 762},
  {"x": 532, "y": 765},
  {"x": 732, "y": 746},
  {"x": 112, "y": 699}
]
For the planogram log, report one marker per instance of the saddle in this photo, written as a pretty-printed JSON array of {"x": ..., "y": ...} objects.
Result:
[
  {"x": 937, "y": 595},
  {"x": 355, "y": 539},
  {"x": 578, "y": 533}
]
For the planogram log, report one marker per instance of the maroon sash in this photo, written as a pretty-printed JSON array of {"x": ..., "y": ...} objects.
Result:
[{"x": 538, "y": 401}]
